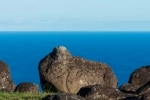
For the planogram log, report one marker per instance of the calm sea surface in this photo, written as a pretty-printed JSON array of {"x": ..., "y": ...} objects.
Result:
[{"x": 122, "y": 51}]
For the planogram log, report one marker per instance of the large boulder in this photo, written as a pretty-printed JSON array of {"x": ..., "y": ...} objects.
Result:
[
  {"x": 63, "y": 96},
  {"x": 102, "y": 92},
  {"x": 140, "y": 76},
  {"x": 27, "y": 87},
  {"x": 60, "y": 71},
  {"x": 6, "y": 83}
]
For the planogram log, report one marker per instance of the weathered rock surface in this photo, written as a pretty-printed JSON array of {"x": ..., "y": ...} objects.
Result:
[
  {"x": 145, "y": 96},
  {"x": 101, "y": 92},
  {"x": 140, "y": 76},
  {"x": 27, "y": 87},
  {"x": 128, "y": 88},
  {"x": 6, "y": 82},
  {"x": 59, "y": 71},
  {"x": 144, "y": 89},
  {"x": 63, "y": 96}
]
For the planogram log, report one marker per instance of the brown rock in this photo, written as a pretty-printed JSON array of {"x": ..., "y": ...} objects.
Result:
[
  {"x": 128, "y": 88},
  {"x": 101, "y": 92},
  {"x": 140, "y": 76},
  {"x": 130, "y": 98},
  {"x": 6, "y": 82},
  {"x": 63, "y": 96},
  {"x": 27, "y": 87},
  {"x": 145, "y": 96},
  {"x": 59, "y": 71},
  {"x": 144, "y": 89}
]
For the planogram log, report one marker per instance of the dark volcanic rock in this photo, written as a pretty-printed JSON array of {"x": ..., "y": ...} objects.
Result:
[
  {"x": 63, "y": 96},
  {"x": 144, "y": 89},
  {"x": 128, "y": 88},
  {"x": 130, "y": 98},
  {"x": 59, "y": 71},
  {"x": 101, "y": 92},
  {"x": 27, "y": 87},
  {"x": 145, "y": 96},
  {"x": 6, "y": 83},
  {"x": 140, "y": 76}
]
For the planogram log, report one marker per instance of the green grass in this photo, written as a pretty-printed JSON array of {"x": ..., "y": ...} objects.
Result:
[{"x": 22, "y": 96}]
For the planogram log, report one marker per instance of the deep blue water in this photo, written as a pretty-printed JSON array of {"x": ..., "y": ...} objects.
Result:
[{"x": 122, "y": 51}]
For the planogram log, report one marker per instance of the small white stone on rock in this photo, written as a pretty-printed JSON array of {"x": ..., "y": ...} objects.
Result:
[{"x": 61, "y": 48}]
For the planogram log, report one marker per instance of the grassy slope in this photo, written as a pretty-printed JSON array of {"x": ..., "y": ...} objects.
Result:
[{"x": 21, "y": 96}]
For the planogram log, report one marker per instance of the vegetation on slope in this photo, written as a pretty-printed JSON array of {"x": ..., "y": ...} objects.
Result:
[{"x": 21, "y": 96}]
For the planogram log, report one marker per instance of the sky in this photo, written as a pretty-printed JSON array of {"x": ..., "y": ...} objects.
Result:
[{"x": 74, "y": 15}]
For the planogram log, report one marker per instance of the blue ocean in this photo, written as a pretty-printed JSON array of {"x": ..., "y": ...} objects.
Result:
[{"x": 122, "y": 51}]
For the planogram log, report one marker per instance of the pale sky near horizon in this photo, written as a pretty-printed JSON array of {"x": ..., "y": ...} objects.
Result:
[{"x": 74, "y": 15}]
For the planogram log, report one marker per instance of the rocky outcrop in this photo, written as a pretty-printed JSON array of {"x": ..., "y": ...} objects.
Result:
[
  {"x": 6, "y": 83},
  {"x": 128, "y": 88},
  {"x": 139, "y": 83},
  {"x": 60, "y": 71},
  {"x": 140, "y": 76},
  {"x": 101, "y": 92},
  {"x": 27, "y": 87},
  {"x": 63, "y": 96},
  {"x": 143, "y": 89}
]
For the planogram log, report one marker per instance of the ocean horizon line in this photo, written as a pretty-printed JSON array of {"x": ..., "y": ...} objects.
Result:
[{"x": 75, "y": 32}]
